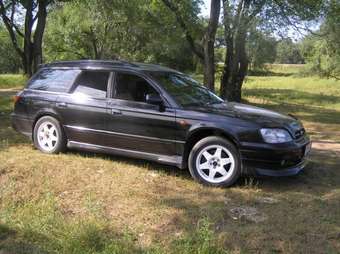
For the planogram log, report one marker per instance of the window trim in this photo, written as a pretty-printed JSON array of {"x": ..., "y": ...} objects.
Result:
[
  {"x": 108, "y": 85},
  {"x": 146, "y": 78}
]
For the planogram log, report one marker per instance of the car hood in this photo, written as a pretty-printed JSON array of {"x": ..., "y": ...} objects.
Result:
[{"x": 261, "y": 116}]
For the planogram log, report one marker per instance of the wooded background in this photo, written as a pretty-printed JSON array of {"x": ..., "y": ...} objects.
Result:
[{"x": 238, "y": 37}]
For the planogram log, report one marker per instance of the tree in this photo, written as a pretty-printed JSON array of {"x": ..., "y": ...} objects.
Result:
[
  {"x": 322, "y": 49},
  {"x": 238, "y": 17},
  {"x": 134, "y": 30},
  {"x": 204, "y": 50},
  {"x": 288, "y": 52},
  {"x": 9, "y": 60},
  {"x": 260, "y": 48},
  {"x": 25, "y": 20},
  {"x": 79, "y": 30}
]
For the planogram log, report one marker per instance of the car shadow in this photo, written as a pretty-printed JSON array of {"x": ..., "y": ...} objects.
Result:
[
  {"x": 151, "y": 165},
  {"x": 11, "y": 241},
  {"x": 321, "y": 173}
]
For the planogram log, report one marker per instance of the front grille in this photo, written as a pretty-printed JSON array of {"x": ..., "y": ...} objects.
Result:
[{"x": 300, "y": 133}]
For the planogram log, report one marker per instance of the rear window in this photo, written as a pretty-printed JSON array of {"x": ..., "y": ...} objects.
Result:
[
  {"x": 92, "y": 83},
  {"x": 53, "y": 80}
]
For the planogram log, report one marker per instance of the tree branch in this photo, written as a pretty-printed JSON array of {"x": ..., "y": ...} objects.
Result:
[
  {"x": 198, "y": 50},
  {"x": 10, "y": 30},
  {"x": 255, "y": 12},
  {"x": 290, "y": 23},
  {"x": 333, "y": 76}
]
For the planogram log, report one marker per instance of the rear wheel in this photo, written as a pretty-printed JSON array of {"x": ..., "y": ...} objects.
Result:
[
  {"x": 48, "y": 135},
  {"x": 215, "y": 161}
]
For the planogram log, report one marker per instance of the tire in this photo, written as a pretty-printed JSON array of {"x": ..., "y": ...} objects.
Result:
[
  {"x": 214, "y": 161},
  {"x": 48, "y": 135}
]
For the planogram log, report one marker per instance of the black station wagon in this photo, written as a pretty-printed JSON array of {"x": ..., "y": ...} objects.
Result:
[{"x": 156, "y": 113}]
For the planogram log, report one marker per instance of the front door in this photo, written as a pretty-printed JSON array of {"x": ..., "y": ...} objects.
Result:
[{"x": 136, "y": 125}]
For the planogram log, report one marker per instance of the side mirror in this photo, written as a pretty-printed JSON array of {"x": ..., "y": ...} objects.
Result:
[{"x": 155, "y": 99}]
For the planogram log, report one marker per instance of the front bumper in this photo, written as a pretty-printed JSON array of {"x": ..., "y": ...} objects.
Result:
[
  {"x": 294, "y": 170},
  {"x": 275, "y": 159}
]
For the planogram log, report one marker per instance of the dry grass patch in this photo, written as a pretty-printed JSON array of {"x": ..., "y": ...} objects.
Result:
[{"x": 161, "y": 204}]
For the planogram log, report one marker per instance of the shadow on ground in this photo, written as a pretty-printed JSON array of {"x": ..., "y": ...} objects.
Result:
[
  {"x": 89, "y": 238},
  {"x": 12, "y": 242},
  {"x": 169, "y": 170},
  {"x": 309, "y": 109},
  {"x": 268, "y": 73}
]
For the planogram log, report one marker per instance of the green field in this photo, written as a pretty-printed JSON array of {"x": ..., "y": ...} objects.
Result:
[{"x": 89, "y": 203}]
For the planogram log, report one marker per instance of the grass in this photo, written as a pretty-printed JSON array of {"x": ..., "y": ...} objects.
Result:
[
  {"x": 12, "y": 81},
  {"x": 314, "y": 100},
  {"x": 90, "y": 203},
  {"x": 305, "y": 91}
]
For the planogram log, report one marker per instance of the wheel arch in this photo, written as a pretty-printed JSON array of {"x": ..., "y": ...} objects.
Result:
[
  {"x": 200, "y": 133},
  {"x": 43, "y": 114}
]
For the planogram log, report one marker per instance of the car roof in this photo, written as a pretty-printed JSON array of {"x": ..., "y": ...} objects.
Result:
[{"x": 105, "y": 64}]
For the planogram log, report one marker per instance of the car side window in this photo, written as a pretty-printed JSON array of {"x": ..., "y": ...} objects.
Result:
[
  {"x": 53, "y": 80},
  {"x": 92, "y": 84},
  {"x": 131, "y": 87}
]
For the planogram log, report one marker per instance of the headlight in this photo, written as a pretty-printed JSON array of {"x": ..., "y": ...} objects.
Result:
[{"x": 275, "y": 135}]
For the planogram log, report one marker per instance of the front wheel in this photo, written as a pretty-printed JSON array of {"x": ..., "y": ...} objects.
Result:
[{"x": 215, "y": 161}]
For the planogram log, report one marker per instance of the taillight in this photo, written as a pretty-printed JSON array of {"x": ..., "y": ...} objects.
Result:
[{"x": 17, "y": 97}]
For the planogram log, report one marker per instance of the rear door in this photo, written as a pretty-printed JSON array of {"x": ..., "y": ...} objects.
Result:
[
  {"x": 136, "y": 125},
  {"x": 83, "y": 110}
]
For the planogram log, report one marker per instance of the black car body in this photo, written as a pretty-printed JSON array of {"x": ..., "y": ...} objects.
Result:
[{"x": 131, "y": 109}]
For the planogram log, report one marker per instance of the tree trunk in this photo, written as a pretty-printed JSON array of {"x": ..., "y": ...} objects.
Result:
[
  {"x": 38, "y": 36},
  {"x": 209, "y": 45},
  {"x": 236, "y": 61},
  {"x": 205, "y": 51},
  {"x": 234, "y": 71},
  {"x": 31, "y": 52},
  {"x": 28, "y": 45}
]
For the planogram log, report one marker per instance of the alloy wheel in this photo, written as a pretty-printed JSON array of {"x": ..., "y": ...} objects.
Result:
[
  {"x": 47, "y": 136},
  {"x": 215, "y": 163}
]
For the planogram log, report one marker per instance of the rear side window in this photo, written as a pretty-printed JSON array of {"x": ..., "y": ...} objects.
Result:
[
  {"x": 53, "y": 80},
  {"x": 92, "y": 83}
]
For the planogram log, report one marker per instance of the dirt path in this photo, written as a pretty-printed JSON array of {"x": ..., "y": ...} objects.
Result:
[
  {"x": 327, "y": 146},
  {"x": 9, "y": 91}
]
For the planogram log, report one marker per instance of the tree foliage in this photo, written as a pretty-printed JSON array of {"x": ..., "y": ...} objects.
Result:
[
  {"x": 238, "y": 18},
  {"x": 261, "y": 48},
  {"x": 10, "y": 62},
  {"x": 25, "y": 22},
  {"x": 322, "y": 49},
  {"x": 288, "y": 52},
  {"x": 186, "y": 17},
  {"x": 173, "y": 33},
  {"x": 136, "y": 30}
]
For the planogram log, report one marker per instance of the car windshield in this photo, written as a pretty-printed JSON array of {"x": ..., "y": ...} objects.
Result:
[{"x": 185, "y": 90}]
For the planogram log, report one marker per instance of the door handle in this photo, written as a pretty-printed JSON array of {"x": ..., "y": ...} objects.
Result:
[
  {"x": 115, "y": 112},
  {"x": 61, "y": 105}
]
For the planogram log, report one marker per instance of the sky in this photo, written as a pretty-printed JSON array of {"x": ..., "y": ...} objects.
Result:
[
  {"x": 205, "y": 12},
  {"x": 205, "y": 8}
]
